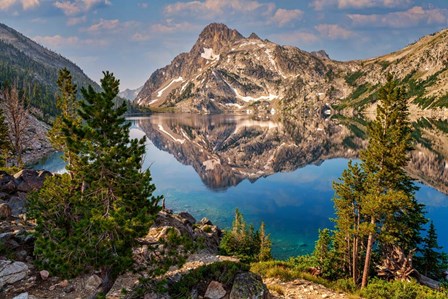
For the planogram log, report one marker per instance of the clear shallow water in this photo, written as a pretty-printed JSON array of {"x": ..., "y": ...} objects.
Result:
[{"x": 293, "y": 205}]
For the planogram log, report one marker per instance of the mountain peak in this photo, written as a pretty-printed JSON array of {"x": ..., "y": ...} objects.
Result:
[
  {"x": 254, "y": 36},
  {"x": 216, "y": 33}
]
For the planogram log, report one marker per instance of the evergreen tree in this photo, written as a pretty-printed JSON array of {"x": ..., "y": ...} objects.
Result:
[
  {"x": 265, "y": 245},
  {"x": 348, "y": 230},
  {"x": 390, "y": 205},
  {"x": 66, "y": 102},
  {"x": 375, "y": 203},
  {"x": 92, "y": 218},
  {"x": 433, "y": 262},
  {"x": 245, "y": 242}
]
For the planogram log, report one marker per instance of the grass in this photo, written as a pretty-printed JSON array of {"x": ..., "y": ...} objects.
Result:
[{"x": 376, "y": 289}]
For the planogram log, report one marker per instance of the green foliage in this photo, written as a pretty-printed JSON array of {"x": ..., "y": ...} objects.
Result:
[
  {"x": 324, "y": 254},
  {"x": 89, "y": 218},
  {"x": 381, "y": 289},
  {"x": 432, "y": 263},
  {"x": 351, "y": 78},
  {"x": 244, "y": 242},
  {"x": 199, "y": 278}
]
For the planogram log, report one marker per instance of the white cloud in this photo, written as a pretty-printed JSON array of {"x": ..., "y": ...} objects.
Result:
[
  {"x": 285, "y": 16},
  {"x": 58, "y": 41},
  {"x": 74, "y": 7},
  {"x": 414, "y": 16},
  {"x": 76, "y": 20},
  {"x": 334, "y": 31},
  {"x": 212, "y": 7},
  {"x": 359, "y": 4},
  {"x": 26, "y": 4},
  {"x": 103, "y": 25}
]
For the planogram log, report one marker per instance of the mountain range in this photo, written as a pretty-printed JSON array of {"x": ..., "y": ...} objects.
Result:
[
  {"x": 35, "y": 68},
  {"x": 227, "y": 72}
]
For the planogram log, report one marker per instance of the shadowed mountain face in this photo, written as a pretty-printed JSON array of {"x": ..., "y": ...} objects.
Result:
[
  {"x": 226, "y": 72},
  {"x": 224, "y": 150}
]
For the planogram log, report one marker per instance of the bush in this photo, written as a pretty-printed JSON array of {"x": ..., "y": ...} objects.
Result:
[{"x": 381, "y": 289}]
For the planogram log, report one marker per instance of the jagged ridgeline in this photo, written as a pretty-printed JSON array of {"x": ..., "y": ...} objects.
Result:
[
  {"x": 227, "y": 72},
  {"x": 35, "y": 69}
]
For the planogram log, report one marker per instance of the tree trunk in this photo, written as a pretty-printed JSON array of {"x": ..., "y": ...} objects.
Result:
[
  {"x": 355, "y": 260},
  {"x": 365, "y": 274}
]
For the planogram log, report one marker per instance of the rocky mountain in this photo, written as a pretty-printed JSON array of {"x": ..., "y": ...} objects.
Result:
[
  {"x": 36, "y": 69},
  {"x": 130, "y": 94},
  {"x": 226, "y": 72}
]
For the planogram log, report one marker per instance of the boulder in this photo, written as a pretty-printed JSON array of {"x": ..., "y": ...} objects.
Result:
[
  {"x": 17, "y": 204},
  {"x": 248, "y": 285},
  {"x": 11, "y": 272},
  {"x": 215, "y": 290},
  {"x": 187, "y": 218},
  {"x": 93, "y": 282},
  {"x": 5, "y": 211},
  {"x": 30, "y": 180},
  {"x": 7, "y": 183}
]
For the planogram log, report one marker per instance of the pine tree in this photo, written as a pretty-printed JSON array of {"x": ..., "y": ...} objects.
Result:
[
  {"x": 375, "y": 203},
  {"x": 390, "y": 205},
  {"x": 67, "y": 103},
  {"x": 348, "y": 233},
  {"x": 92, "y": 218},
  {"x": 265, "y": 245},
  {"x": 433, "y": 262}
]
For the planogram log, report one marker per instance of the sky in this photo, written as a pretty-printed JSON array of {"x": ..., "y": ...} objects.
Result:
[{"x": 132, "y": 38}]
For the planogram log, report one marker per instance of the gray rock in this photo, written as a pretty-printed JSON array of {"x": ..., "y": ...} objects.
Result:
[
  {"x": 17, "y": 205},
  {"x": 215, "y": 290},
  {"x": 11, "y": 272},
  {"x": 93, "y": 282},
  {"x": 24, "y": 296},
  {"x": 29, "y": 180},
  {"x": 248, "y": 285},
  {"x": 187, "y": 217}
]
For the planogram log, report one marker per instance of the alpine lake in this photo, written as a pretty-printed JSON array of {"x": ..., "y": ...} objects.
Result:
[{"x": 276, "y": 171}]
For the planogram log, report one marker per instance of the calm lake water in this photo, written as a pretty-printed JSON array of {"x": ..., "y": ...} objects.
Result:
[{"x": 211, "y": 165}]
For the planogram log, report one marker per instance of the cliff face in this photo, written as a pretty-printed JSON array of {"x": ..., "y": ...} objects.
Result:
[{"x": 226, "y": 72}]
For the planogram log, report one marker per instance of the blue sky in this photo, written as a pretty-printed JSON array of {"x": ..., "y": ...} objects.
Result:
[{"x": 133, "y": 38}]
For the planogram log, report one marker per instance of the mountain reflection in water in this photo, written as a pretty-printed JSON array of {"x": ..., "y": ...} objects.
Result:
[{"x": 224, "y": 149}]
